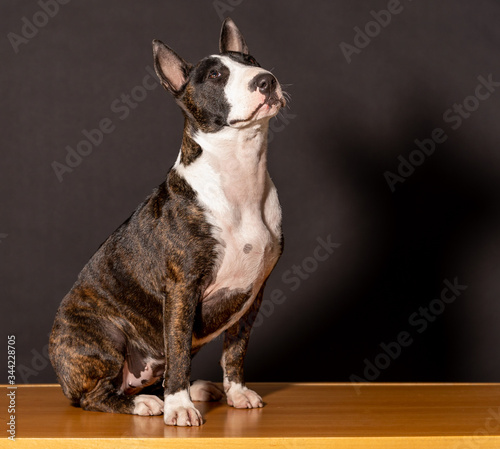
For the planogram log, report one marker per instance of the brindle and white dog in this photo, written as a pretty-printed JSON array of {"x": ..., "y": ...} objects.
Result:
[{"x": 192, "y": 260}]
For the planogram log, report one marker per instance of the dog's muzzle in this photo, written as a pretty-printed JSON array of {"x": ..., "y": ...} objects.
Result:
[{"x": 266, "y": 84}]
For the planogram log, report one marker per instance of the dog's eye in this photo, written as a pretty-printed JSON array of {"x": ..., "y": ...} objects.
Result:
[{"x": 213, "y": 74}]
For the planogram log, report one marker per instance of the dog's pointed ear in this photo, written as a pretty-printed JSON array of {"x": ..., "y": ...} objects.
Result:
[
  {"x": 231, "y": 39},
  {"x": 172, "y": 70}
]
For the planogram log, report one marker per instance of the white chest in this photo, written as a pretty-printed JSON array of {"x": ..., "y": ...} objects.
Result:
[
  {"x": 249, "y": 247},
  {"x": 241, "y": 203}
]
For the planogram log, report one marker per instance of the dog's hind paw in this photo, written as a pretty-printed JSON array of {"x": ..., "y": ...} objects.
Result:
[
  {"x": 147, "y": 405},
  {"x": 205, "y": 391}
]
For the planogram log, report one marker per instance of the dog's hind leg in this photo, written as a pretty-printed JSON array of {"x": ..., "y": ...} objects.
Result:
[
  {"x": 93, "y": 378},
  {"x": 106, "y": 398}
]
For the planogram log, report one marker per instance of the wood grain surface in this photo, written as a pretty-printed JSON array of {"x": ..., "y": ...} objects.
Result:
[{"x": 459, "y": 416}]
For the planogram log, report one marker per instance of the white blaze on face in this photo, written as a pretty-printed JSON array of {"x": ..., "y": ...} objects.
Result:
[{"x": 246, "y": 104}]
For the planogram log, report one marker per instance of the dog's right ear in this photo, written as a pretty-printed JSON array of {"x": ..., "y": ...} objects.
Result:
[
  {"x": 172, "y": 70},
  {"x": 231, "y": 38}
]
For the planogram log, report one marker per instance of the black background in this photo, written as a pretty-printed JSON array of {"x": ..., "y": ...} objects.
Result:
[{"x": 346, "y": 126}]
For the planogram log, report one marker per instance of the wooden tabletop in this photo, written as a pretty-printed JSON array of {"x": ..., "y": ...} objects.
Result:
[{"x": 437, "y": 416}]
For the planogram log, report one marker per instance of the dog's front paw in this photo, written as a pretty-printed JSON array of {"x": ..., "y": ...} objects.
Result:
[
  {"x": 180, "y": 411},
  {"x": 205, "y": 391},
  {"x": 240, "y": 396},
  {"x": 147, "y": 405}
]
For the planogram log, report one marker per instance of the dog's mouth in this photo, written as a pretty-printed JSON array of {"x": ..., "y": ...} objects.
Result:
[
  {"x": 252, "y": 115},
  {"x": 274, "y": 100},
  {"x": 271, "y": 101}
]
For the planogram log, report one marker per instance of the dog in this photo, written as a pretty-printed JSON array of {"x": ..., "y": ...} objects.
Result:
[{"x": 192, "y": 260}]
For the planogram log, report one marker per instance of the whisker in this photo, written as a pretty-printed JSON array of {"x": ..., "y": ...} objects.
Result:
[{"x": 288, "y": 98}]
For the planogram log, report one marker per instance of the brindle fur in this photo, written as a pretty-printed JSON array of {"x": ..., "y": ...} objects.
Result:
[
  {"x": 149, "y": 274},
  {"x": 138, "y": 303}
]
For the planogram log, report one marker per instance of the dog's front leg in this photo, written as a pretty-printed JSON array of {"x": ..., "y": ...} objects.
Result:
[
  {"x": 235, "y": 347},
  {"x": 178, "y": 318}
]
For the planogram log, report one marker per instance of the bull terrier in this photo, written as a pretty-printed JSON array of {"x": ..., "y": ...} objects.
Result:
[{"x": 192, "y": 260}]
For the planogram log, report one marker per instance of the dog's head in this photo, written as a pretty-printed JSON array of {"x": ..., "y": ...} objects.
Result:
[{"x": 226, "y": 90}]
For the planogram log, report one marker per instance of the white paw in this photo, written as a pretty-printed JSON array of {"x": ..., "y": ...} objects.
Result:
[
  {"x": 147, "y": 405},
  {"x": 240, "y": 396},
  {"x": 205, "y": 391},
  {"x": 180, "y": 411}
]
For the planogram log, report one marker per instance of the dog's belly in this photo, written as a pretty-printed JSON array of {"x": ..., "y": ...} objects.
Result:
[
  {"x": 218, "y": 312},
  {"x": 132, "y": 383},
  {"x": 140, "y": 371}
]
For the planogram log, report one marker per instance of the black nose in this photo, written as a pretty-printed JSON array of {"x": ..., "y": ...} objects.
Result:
[{"x": 266, "y": 83}]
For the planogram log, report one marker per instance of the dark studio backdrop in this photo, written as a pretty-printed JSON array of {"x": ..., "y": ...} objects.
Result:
[{"x": 387, "y": 164}]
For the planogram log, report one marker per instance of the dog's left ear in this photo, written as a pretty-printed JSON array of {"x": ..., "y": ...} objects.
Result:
[
  {"x": 231, "y": 39},
  {"x": 172, "y": 70}
]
